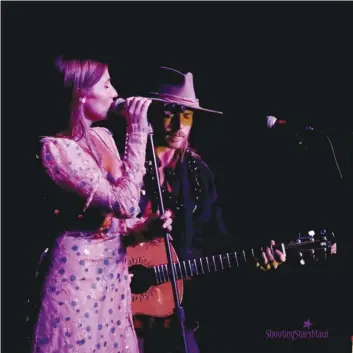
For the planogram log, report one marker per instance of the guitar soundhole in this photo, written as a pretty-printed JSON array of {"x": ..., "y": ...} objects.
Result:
[{"x": 142, "y": 280}]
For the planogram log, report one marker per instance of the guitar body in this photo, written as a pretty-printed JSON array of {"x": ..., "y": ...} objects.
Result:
[{"x": 149, "y": 298}]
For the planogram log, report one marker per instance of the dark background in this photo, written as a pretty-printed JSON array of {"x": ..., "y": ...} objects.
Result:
[{"x": 290, "y": 60}]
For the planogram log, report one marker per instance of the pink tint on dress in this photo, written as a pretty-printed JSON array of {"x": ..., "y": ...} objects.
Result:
[{"x": 86, "y": 298}]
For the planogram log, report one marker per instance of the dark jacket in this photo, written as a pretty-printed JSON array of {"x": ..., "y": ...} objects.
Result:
[{"x": 198, "y": 226}]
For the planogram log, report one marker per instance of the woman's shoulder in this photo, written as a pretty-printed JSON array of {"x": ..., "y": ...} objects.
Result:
[
  {"x": 60, "y": 146},
  {"x": 60, "y": 141},
  {"x": 64, "y": 157}
]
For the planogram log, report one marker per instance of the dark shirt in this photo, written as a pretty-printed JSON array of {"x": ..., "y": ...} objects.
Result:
[{"x": 198, "y": 226}]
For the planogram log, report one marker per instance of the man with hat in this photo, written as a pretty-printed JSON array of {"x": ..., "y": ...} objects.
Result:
[{"x": 188, "y": 189}]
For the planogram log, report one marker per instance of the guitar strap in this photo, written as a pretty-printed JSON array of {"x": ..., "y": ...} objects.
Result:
[{"x": 188, "y": 208}]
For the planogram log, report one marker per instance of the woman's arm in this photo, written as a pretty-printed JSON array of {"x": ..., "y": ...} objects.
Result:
[{"x": 75, "y": 170}]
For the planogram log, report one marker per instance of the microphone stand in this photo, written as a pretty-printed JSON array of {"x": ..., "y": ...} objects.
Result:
[{"x": 178, "y": 308}]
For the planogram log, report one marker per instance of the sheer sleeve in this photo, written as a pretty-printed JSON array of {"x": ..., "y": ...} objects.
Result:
[{"x": 75, "y": 170}]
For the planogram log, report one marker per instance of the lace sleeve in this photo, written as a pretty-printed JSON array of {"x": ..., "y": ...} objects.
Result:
[
  {"x": 134, "y": 156},
  {"x": 75, "y": 170}
]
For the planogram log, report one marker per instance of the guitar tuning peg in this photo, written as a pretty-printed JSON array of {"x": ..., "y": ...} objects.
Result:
[
  {"x": 323, "y": 234},
  {"x": 313, "y": 254},
  {"x": 302, "y": 262}
]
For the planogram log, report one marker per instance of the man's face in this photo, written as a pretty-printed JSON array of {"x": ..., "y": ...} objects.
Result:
[{"x": 177, "y": 128}]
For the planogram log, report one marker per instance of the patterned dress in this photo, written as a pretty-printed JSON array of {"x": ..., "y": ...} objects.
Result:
[{"x": 86, "y": 298}]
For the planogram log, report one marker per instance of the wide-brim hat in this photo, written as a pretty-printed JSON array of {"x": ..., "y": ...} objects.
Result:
[{"x": 175, "y": 87}]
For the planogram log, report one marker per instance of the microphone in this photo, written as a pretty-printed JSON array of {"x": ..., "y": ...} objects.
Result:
[
  {"x": 118, "y": 106},
  {"x": 274, "y": 123}
]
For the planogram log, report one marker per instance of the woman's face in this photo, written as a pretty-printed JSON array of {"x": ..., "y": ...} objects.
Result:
[{"x": 99, "y": 99}]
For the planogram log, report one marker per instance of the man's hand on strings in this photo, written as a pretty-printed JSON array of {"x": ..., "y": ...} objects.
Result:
[{"x": 270, "y": 258}]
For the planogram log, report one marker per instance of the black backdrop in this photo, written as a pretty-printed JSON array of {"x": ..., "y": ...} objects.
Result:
[{"x": 291, "y": 60}]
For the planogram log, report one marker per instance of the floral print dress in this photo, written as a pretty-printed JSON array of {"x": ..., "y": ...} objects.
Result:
[{"x": 86, "y": 298}]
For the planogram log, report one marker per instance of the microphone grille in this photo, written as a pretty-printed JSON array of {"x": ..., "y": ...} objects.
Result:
[
  {"x": 270, "y": 121},
  {"x": 119, "y": 101},
  {"x": 118, "y": 105}
]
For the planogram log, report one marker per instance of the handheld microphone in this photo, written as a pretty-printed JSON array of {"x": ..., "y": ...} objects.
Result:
[
  {"x": 118, "y": 106},
  {"x": 274, "y": 123}
]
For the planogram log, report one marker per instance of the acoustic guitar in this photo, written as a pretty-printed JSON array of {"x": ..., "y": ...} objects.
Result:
[{"x": 152, "y": 293}]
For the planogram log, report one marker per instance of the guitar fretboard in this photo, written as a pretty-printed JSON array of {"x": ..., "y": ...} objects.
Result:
[{"x": 203, "y": 265}]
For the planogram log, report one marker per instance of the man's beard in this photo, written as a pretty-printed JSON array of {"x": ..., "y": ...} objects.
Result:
[{"x": 180, "y": 144}]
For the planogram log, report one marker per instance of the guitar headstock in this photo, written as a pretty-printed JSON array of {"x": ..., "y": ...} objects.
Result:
[{"x": 312, "y": 245}]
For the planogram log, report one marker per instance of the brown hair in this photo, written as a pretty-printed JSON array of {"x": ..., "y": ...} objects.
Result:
[{"x": 78, "y": 75}]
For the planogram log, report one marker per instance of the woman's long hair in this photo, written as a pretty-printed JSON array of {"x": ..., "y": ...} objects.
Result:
[{"x": 78, "y": 76}]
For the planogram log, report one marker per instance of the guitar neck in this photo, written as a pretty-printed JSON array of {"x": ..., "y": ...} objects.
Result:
[
  {"x": 315, "y": 245},
  {"x": 204, "y": 265}
]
